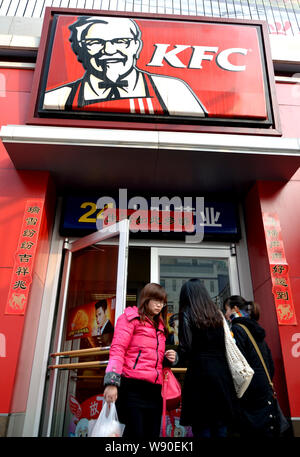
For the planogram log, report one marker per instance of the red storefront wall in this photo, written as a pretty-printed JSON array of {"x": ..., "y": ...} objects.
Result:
[
  {"x": 18, "y": 333},
  {"x": 281, "y": 198},
  {"x": 284, "y": 340}
]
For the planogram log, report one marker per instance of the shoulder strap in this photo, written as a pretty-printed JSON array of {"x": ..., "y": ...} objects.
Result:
[{"x": 258, "y": 352}]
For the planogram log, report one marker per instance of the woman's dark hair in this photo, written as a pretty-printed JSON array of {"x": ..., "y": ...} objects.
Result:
[
  {"x": 101, "y": 304},
  {"x": 250, "y": 307},
  {"x": 197, "y": 303},
  {"x": 153, "y": 291}
]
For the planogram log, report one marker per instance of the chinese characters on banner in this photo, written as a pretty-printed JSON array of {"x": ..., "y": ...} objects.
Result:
[
  {"x": 279, "y": 271},
  {"x": 24, "y": 258}
]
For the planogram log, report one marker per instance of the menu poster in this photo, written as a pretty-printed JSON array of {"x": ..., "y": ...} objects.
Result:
[
  {"x": 173, "y": 324},
  {"x": 91, "y": 319}
]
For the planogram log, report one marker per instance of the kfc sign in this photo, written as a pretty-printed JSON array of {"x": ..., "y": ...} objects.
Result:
[
  {"x": 145, "y": 69},
  {"x": 199, "y": 54}
]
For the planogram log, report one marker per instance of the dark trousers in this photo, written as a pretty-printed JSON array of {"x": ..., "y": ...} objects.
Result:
[
  {"x": 142, "y": 423},
  {"x": 218, "y": 430},
  {"x": 139, "y": 407}
]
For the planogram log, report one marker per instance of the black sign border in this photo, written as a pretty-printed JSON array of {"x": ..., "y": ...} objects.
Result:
[{"x": 132, "y": 121}]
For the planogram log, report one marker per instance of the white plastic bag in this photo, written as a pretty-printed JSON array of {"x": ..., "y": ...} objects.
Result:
[{"x": 107, "y": 424}]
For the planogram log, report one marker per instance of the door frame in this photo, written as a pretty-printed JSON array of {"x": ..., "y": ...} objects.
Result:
[{"x": 120, "y": 229}]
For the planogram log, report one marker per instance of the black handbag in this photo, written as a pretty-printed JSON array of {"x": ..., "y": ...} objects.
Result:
[{"x": 280, "y": 420}]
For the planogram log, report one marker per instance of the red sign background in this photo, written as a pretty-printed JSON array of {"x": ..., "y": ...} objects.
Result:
[{"x": 224, "y": 93}]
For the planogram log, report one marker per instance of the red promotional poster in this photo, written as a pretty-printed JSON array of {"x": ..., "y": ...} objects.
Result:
[
  {"x": 279, "y": 268},
  {"x": 24, "y": 258},
  {"x": 139, "y": 66},
  {"x": 84, "y": 415},
  {"x": 282, "y": 293},
  {"x": 92, "y": 319}
]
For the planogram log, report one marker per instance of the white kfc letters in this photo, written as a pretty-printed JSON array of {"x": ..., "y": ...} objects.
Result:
[{"x": 199, "y": 53}]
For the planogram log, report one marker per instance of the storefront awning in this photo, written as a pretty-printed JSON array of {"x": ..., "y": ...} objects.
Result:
[{"x": 85, "y": 158}]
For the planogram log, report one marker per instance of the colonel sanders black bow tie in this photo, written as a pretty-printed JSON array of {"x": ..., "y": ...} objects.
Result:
[{"x": 113, "y": 88}]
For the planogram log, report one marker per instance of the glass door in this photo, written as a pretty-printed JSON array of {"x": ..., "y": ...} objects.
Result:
[
  {"x": 92, "y": 297},
  {"x": 171, "y": 267},
  {"x": 215, "y": 267}
]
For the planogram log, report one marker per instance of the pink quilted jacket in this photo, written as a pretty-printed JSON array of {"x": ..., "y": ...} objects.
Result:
[{"x": 137, "y": 349}]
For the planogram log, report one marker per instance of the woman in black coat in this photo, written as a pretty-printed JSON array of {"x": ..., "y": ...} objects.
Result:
[
  {"x": 256, "y": 405},
  {"x": 208, "y": 395}
]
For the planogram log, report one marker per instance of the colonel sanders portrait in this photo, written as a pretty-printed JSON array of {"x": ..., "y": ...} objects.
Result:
[{"x": 108, "y": 49}]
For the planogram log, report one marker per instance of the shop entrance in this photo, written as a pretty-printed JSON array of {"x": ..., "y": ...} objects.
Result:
[
  {"x": 92, "y": 296},
  {"x": 99, "y": 279},
  {"x": 172, "y": 266}
]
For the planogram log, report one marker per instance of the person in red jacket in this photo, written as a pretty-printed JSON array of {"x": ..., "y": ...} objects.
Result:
[{"x": 133, "y": 377}]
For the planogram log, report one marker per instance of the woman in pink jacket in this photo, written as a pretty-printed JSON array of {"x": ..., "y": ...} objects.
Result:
[{"x": 133, "y": 376}]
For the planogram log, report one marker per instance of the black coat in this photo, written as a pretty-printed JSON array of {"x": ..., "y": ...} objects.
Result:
[
  {"x": 256, "y": 404},
  {"x": 259, "y": 385},
  {"x": 208, "y": 394}
]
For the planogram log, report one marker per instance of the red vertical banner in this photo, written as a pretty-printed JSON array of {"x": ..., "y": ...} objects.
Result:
[
  {"x": 279, "y": 271},
  {"x": 24, "y": 258}
]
